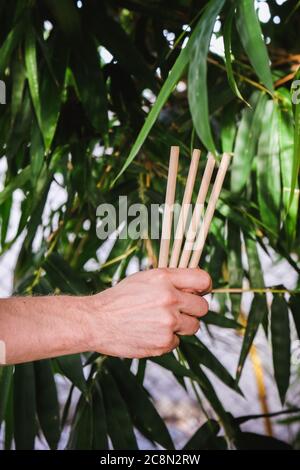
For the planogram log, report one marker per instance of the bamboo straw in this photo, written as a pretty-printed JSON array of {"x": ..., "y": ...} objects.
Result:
[
  {"x": 201, "y": 238},
  {"x": 186, "y": 201},
  {"x": 168, "y": 210},
  {"x": 197, "y": 212}
]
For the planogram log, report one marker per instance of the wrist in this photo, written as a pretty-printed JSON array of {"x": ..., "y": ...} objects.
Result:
[{"x": 92, "y": 322}]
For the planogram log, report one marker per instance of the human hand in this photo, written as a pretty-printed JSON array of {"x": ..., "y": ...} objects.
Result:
[{"x": 143, "y": 315}]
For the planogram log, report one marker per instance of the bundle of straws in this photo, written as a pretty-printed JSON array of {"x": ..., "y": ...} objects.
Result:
[{"x": 195, "y": 233}]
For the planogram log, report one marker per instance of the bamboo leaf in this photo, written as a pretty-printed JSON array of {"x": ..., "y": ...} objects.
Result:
[
  {"x": 197, "y": 76},
  {"x": 228, "y": 59},
  {"x": 213, "y": 318},
  {"x": 71, "y": 367},
  {"x": 200, "y": 440},
  {"x": 6, "y": 375},
  {"x": 246, "y": 141},
  {"x": 281, "y": 344},
  {"x": 296, "y": 156},
  {"x": 286, "y": 142},
  {"x": 142, "y": 411},
  {"x": 17, "y": 182},
  {"x": 253, "y": 441},
  {"x": 193, "y": 347},
  {"x": 119, "y": 424},
  {"x": 91, "y": 87},
  {"x": 167, "y": 88},
  {"x": 168, "y": 361},
  {"x": 235, "y": 268},
  {"x": 256, "y": 317},
  {"x": 251, "y": 37},
  {"x": 268, "y": 169},
  {"x": 100, "y": 441},
  {"x": 24, "y": 406},
  {"x": 81, "y": 436},
  {"x": 8, "y": 46},
  {"x": 295, "y": 309},
  {"x": 32, "y": 72},
  {"x": 47, "y": 402},
  {"x": 63, "y": 276}
]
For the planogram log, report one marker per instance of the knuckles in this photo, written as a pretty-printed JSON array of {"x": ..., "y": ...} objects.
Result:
[{"x": 206, "y": 281}]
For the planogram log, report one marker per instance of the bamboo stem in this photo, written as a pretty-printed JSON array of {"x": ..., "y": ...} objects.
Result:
[
  {"x": 202, "y": 235},
  {"x": 186, "y": 201},
  {"x": 262, "y": 290},
  {"x": 168, "y": 210},
  {"x": 197, "y": 212}
]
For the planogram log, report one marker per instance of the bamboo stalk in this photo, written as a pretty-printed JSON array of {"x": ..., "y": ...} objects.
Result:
[
  {"x": 202, "y": 235},
  {"x": 197, "y": 212},
  {"x": 186, "y": 201},
  {"x": 168, "y": 210}
]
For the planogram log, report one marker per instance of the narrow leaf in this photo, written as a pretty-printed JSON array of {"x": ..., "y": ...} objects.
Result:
[
  {"x": 197, "y": 76},
  {"x": 47, "y": 402},
  {"x": 250, "y": 33},
  {"x": 71, "y": 367},
  {"x": 24, "y": 406},
  {"x": 281, "y": 344}
]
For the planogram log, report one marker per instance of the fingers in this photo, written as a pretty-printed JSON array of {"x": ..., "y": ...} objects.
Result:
[
  {"x": 192, "y": 304},
  {"x": 187, "y": 325},
  {"x": 194, "y": 279}
]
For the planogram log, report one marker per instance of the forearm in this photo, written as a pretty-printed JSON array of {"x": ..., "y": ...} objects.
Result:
[{"x": 34, "y": 328}]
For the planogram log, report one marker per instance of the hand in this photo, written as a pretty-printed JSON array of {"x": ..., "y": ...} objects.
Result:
[{"x": 143, "y": 315}]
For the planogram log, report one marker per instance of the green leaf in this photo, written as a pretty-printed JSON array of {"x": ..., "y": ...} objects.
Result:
[
  {"x": 228, "y": 60},
  {"x": 9, "y": 45},
  {"x": 228, "y": 127},
  {"x": 81, "y": 437},
  {"x": 250, "y": 33},
  {"x": 19, "y": 77},
  {"x": 281, "y": 344},
  {"x": 246, "y": 141},
  {"x": 268, "y": 169},
  {"x": 202, "y": 437},
  {"x": 253, "y": 441},
  {"x": 119, "y": 424},
  {"x": 167, "y": 88},
  {"x": 63, "y": 276},
  {"x": 192, "y": 347},
  {"x": 211, "y": 395},
  {"x": 295, "y": 309},
  {"x": 197, "y": 76},
  {"x": 169, "y": 361},
  {"x": 296, "y": 156},
  {"x": 235, "y": 267},
  {"x": 36, "y": 153},
  {"x": 91, "y": 87},
  {"x": 24, "y": 406},
  {"x": 256, "y": 317},
  {"x": 143, "y": 413},
  {"x": 112, "y": 36},
  {"x": 32, "y": 72},
  {"x": 100, "y": 441},
  {"x": 5, "y": 217},
  {"x": 286, "y": 142},
  {"x": 51, "y": 89},
  {"x": 6, "y": 374},
  {"x": 213, "y": 318},
  {"x": 71, "y": 367},
  {"x": 47, "y": 402},
  {"x": 17, "y": 182}
]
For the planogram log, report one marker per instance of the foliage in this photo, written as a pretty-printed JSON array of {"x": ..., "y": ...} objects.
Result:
[{"x": 77, "y": 119}]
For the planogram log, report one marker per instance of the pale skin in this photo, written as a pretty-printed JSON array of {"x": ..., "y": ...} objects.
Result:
[{"x": 144, "y": 315}]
